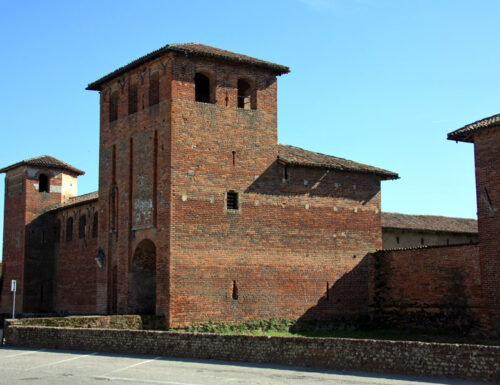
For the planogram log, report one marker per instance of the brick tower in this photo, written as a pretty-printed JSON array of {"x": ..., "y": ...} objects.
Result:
[
  {"x": 203, "y": 215},
  {"x": 31, "y": 187}
]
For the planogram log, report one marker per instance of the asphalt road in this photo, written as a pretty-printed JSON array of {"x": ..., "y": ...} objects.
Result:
[{"x": 35, "y": 366}]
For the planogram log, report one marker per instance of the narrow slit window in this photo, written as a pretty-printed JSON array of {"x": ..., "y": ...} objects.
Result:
[
  {"x": 397, "y": 240},
  {"x": 245, "y": 95},
  {"x": 113, "y": 106},
  {"x": 43, "y": 183},
  {"x": 327, "y": 290},
  {"x": 69, "y": 229},
  {"x": 132, "y": 99},
  {"x": 202, "y": 88},
  {"x": 234, "y": 294},
  {"x": 232, "y": 200},
  {"x": 234, "y": 158},
  {"x": 421, "y": 241},
  {"x": 82, "y": 227},
  {"x": 154, "y": 89},
  {"x": 94, "y": 225}
]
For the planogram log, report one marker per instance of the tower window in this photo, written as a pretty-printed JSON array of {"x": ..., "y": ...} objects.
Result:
[
  {"x": 82, "y": 227},
  {"x": 246, "y": 98},
  {"x": 113, "y": 106},
  {"x": 132, "y": 99},
  {"x": 154, "y": 89},
  {"x": 69, "y": 229},
  {"x": 43, "y": 183},
  {"x": 232, "y": 200},
  {"x": 202, "y": 88},
  {"x": 94, "y": 225}
]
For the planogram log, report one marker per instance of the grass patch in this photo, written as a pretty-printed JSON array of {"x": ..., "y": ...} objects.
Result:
[{"x": 289, "y": 328}]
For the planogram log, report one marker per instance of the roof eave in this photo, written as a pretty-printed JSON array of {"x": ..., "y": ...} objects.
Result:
[{"x": 384, "y": 175}]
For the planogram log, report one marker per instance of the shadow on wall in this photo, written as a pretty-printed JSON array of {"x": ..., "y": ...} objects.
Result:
[
  {"x": 314, "y": 182},
  {"x": 344, "y": 304},
  {"x": 426, "y": 294}
]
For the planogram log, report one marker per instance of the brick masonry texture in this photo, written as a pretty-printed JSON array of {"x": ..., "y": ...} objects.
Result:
[
  {"x": 436, "y": 287},
  {"x": 487, "y": 160},
  {"x": 470, "y": 362},
  {"x": 296, "y": 246}
]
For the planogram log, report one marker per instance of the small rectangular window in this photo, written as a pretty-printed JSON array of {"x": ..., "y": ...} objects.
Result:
[{"x": 232, "y": 200}]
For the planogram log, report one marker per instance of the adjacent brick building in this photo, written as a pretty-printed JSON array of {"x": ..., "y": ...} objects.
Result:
[
  {"x": 200, "y": 213},
  {"x": 485, "y": 134}
]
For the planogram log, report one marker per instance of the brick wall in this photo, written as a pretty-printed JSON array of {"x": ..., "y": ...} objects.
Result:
[
  {"x": 487, "y": 159},
  {"x": 74, "y": 268},
  {"x": 471, "y": 362},
  {"x": 434, "y": 287}
]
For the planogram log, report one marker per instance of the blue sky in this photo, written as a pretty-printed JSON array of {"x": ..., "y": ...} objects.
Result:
[{"x": 379, "y": 82}]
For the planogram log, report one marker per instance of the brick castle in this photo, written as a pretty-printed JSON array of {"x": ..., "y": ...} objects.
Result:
[{"x": 200, "y": 214}]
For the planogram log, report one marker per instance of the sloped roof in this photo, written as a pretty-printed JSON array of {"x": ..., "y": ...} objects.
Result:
[
  {"x": 428, "y": 223},
  {"x": 195, "y": 49},
  {"x": 75, "y": 201},
  {"x": 465, "y": 134},
  {"x": 45, "y": 161},
  {"x": 296, "y": 156}
]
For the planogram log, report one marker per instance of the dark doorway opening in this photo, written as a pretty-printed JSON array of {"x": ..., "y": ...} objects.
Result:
[{"x": 142, "y": 279}]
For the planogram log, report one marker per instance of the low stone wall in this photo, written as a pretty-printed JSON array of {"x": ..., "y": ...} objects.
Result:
[{"x": 471, "y": 362}]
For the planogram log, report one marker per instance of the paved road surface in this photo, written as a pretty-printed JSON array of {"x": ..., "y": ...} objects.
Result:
[{"x": 32, "y": 366}]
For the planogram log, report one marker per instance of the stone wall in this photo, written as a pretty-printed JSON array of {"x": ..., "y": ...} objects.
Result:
[
  {"x": 431, "y": 287},
  {"x": 471, "y": 362}
]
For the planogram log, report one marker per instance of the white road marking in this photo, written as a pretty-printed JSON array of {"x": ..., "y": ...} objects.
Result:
[
  {"x": 60, "y": 362},
  {"x": 22, "y": 354},
  {"x": 141, "y": 380},
  {"x": 131, "y": 366}
]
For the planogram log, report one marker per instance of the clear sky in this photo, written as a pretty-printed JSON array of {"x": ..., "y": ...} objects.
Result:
[{"x": 375, "y": 81}]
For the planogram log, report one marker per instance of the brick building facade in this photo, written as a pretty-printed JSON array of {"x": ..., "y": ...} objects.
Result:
[{"x": 200, "y": 213}]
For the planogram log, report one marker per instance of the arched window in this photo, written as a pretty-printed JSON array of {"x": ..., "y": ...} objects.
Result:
[
  {"x": 246, "y": 99},
  {"x": 69, "y": 229},
  {"x": 154, "y": 89},
  {"x": 113, "y": 106},
  {"x": 43, "y": 183},
  {"x": 94, "y": 225},
  {"x": 82, "y": 226},
  {"x": 203, "y": 88}
]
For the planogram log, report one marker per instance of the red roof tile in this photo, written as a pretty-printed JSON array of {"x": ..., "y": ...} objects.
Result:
[
  {"x": 45, "y": 161},
  {"x": 428, "y": 223},
  {"x": 297, "y": 156}
]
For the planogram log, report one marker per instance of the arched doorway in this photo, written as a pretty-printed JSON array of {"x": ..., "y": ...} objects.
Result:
[{"x": 142, "y": 279}]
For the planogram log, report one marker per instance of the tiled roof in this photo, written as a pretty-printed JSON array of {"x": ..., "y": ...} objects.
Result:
[
  {"x": 296, "y": 156},
  {"x": 75, "y": 201},
  {"x": 422, "y": 247},
  {"x": 466, "y": 133},
  {"x": 195, "y": 49},
  {"x": 428, "y": 223},
  {"x": 45, "y": 161}
]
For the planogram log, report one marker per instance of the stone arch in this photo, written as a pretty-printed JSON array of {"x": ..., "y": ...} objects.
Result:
[{"x": 142, "y": 279}]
